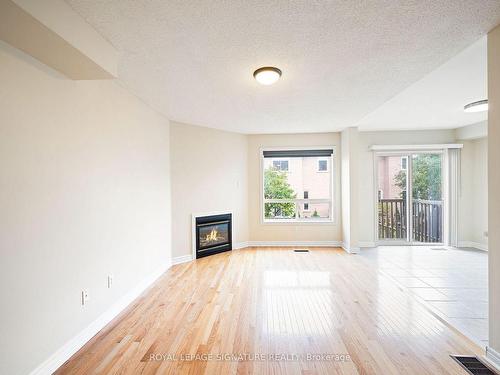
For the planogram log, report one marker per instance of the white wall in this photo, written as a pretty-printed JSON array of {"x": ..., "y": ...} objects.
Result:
[
  {"x": 85, "y": 192},
  {"x": 209, "y": 173},
  {"x": 267, "y": 232}
]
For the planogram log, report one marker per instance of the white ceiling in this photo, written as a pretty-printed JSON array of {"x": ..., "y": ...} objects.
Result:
[
  {"x": 438, "y": 99},
  {"x": 341, "y": 60}
]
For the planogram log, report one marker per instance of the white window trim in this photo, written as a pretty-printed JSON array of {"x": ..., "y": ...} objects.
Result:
[
  {"x": 408, "y": 148},
  {"x": 299, "y": 221}
]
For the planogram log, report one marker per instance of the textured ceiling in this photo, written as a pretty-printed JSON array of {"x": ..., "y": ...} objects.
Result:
[{"x": 341, "y": 60}]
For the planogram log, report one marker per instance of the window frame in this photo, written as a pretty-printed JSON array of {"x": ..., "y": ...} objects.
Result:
[
  {"x": 306, "y": 196},
  {"x": 294, "y": 221},
  {"x": 323, "y": 171},
  {"x": 405, "y": 159},
  {"x": 287, "y": 165}
]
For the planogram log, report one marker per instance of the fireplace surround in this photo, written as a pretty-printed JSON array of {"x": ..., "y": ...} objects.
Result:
[{"x": 212, "y": 234}]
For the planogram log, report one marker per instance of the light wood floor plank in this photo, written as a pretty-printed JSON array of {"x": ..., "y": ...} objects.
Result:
[{"x": 276, "y": 302}]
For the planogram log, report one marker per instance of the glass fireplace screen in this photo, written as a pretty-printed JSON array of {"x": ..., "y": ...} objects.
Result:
[{"x": 213, "y": 234}]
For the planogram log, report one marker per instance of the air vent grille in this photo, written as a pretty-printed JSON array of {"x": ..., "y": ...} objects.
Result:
[{"x": 472, "y": 365}]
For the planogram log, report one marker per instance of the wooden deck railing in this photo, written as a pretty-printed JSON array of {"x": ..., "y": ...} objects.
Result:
[
  {"x": 426, "y": 220},
  {"x": 392, "y": 218}
]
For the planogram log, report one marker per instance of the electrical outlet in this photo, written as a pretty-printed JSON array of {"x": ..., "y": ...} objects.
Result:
[
  {"x": 85, "y": 296},
  {"x": 110, "y": 281}
]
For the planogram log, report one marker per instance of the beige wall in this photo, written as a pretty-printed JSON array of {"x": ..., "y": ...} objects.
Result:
[
  {"x": 350, "y": 189},
  {"x": 53, "y": 33},
  {"x": 480, "y": 191},
  {"x": 285, "y": 231},
  {"x": 494, "y": 186},
  {"x": 473, "y": 203},
  {"x": 209, "y": 173},
  {"x": 191, "y": 144},
  {"x": 84, "y": 179}
]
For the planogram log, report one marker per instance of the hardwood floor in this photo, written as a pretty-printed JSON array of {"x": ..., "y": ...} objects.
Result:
[{"x": 274, "y": 302}]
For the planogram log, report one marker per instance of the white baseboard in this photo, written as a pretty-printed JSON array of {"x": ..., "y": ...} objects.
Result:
[
  {"x": 72, "y": 346},
  {"x": 294, "y": 243},
  {"x": 493, "y": 358},
  {"x": 240, "y": 245},
  {"x": 350, "y": 249},
  {"x": 367, "y": 244},
  {"x": 189, "y": 258},
  {"x": 475, "y": 245},
  {"x": 182, "y": 259}
]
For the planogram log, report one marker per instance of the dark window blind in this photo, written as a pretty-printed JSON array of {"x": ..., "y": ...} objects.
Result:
[{"x": 297, "y": 153}]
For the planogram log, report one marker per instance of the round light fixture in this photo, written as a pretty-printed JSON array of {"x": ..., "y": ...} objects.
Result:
[
  {"x": 267, "y": 75},
  {"x": 479, "y": 106}
]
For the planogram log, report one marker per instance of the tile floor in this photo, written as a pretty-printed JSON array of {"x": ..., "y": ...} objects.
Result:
[{"x": 452, "y": 282}]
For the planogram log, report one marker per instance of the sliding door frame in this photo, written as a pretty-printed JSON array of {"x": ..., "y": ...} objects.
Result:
[{"x": 409, "y": 197}]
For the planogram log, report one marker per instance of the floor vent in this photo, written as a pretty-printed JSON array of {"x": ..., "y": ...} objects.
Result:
[
  {"x": 438, "y": 248},
  {"x": 301, "y": 250},
  {"x": 472, "y": 365}
]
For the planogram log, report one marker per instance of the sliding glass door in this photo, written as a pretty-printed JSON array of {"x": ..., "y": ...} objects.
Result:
[
  {"x": 426, "y": 198},
  {"x": 409, "y": 197},
  {"x": 392, "y": 185}
]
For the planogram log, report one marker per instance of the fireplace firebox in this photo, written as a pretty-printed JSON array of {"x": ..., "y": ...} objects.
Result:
[{"x": 213, "y": 234}]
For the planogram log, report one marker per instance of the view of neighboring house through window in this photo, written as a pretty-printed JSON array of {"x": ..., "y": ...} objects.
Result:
[
  {"x": 322, "y": 165},
  {"x": 297, "y": 185},
  {"x": 404, "y": 163},
  {"x": 280, "y": 165}
]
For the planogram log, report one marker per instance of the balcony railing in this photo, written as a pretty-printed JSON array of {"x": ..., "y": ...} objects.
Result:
[{"x": 426, "y": 219}]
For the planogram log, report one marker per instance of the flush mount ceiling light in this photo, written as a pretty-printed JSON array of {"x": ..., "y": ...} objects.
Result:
[
  {"x": 267, "y": 75},
  {"x": 479, "y": 106}
]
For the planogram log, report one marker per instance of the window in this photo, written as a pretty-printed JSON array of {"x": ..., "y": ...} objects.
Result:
[
  {"x": 280, "y": 165},
  {"x": 292, "y": 189},
  {"x": 404, "y": 163}
]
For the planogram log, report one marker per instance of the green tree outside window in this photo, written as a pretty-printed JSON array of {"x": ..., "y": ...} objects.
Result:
[
  {"x": 276, "y": 186},
  {"x": 426, "y": 177}
]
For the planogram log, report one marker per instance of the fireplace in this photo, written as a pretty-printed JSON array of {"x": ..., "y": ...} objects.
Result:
[{"x": 213, "y": 234}]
